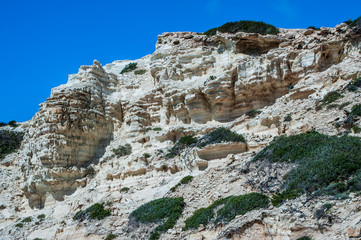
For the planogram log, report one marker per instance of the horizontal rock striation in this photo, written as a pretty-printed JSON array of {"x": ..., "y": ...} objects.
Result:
[{"x": 190, "y": 78}]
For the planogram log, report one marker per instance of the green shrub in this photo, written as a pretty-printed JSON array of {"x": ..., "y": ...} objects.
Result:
[
  {"x": 304, "y": 238},
  {"x": 129, "y": 67},
  {"x": 288, "y": 118},
  {"x": 124, "y": 189},
  {"x": 343, "y": 105},
  {"x": 355, "y": 84},
  {"x": 19, "y": 225},
  {"x": 356, "y": 129},
  {"x": 314, "y": 28},
  {"x": 181, "y": 144},
  {"x": 10, "y": 142},
  {"x": 240, "y": 205},
  {"x": 216, "y": 136},
  {"x": 2, "y": 206},
  {"x": 111, "y": 236},
  {"x": 140, "y": 72},
  {"x": 203, "y": 215},
  {"x": 279, "y": 198},
  {"x": 221, "y": 135},
  {"x": 123, "y": 150},
  {"x": 353, "y": 23},
  {"x": 41, "y": 216},
  {"x": 356, "y": 110},
  {"x": 13, "y": 123},
  {"x": 184, "y": 180},
  {"x": 319, "y": 213},
  {"x": 232, "y": 206},
  {"x": 96, "y": 211},
  {"x": 90, "y": 171},
  {"x": 27, "y": 219},
  {"x": 212, "y": 77},
  {"x": 167, "y": 209},
  {"x": 38, "y": 239},
  {"x": 146, "y": 155},
  {"x": 244, "y": 26},
  {"x": 253, "y": 113},
  {"x": 321, "y": 160},
  {"x": 331, "y": 97},
  {"x": 157, "y": 129}
]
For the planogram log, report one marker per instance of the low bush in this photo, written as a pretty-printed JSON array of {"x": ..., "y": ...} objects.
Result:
[
  {"x": 253, "y": 113},
  {"x": 184, "y": 180},
  {"x": 140, "y": 72},
  {"x": 321, "y": 212},
  {"x": 166, "y": 209},
  {"x": 356, "y": 129},
  {"x": 96, "y": 211},
  {"x": 157, "y": 129},
  {"x": 304, "y": 238},
  {"x": 244, "y": 26},
  {"x": 41, "y": 217},
  {"x": 356, "y": 110},
  {"x": 10, "y": 142},
  {"x": 314, "y": 28},
  {"x": 355, "y": 84},
  {"x": 129, "y": 67},
  {"x": 353, "y": 23},
  {"x": 27, "y": 219},
  {"x": 230, "y": 207},
  {"x": 322, "y": 160},
  {"x": 288, "y": 118},
  {"x": 146, "y": 155},
  {"x": 19, "y": 225},
  {"x": 331, "y": 97},
  {"x": 90, "y": 171},
  {"x": 220, "y": 135},
  {"x": 111, "y": 236},
  {"x": 181, "y": 144},
  {"x": 122, "y": 150},
  {"x": 124, "y": 189}
]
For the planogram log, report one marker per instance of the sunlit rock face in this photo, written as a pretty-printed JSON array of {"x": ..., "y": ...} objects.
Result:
[{"x": 191, "y": 80}]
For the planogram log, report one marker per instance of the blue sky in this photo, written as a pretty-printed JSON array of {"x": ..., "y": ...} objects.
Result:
[{"x": 41, "y": 42}]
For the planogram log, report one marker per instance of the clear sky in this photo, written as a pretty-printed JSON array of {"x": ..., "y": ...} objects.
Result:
[{"x": 41, "y": 42}]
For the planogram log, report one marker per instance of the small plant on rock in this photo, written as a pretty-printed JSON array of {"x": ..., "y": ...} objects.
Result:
[
  {"x": 356, "y": 110},
  {"x": 220, "y": 135},
  {"x": 140, "y": 72},
  {"x": 165, "y": 210},
  {"x": 253, "y": 113},
  {"x": 111, "y": 236},
  {"x": 124, "y": 189},
  {"x": 184, "y": 180},
  {"x": 27, "y": 219},
  {"x": 129, "y": 67},
  {"x": 95, "y": 211},
  {"x": 122, "y": 150},
  {"x": 288, "y": 118},
  {"x": 181, "y": 144}
]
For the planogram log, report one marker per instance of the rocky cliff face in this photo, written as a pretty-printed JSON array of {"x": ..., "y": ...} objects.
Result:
[{"x": 191, "y": 85}]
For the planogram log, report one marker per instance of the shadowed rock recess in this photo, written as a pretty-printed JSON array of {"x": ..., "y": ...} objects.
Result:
[{"x": 122, "y": 140}]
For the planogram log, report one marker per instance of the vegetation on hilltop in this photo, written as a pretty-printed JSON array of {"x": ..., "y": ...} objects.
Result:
[
  {"x": 353, "y": 23},
  {"x": 244, "y": 26}
]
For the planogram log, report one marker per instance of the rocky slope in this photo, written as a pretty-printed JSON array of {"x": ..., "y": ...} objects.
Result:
[{"x": 192, "y": 84}]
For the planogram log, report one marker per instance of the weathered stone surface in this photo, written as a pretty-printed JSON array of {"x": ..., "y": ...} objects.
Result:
[{"x": 192, "y": 84}]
